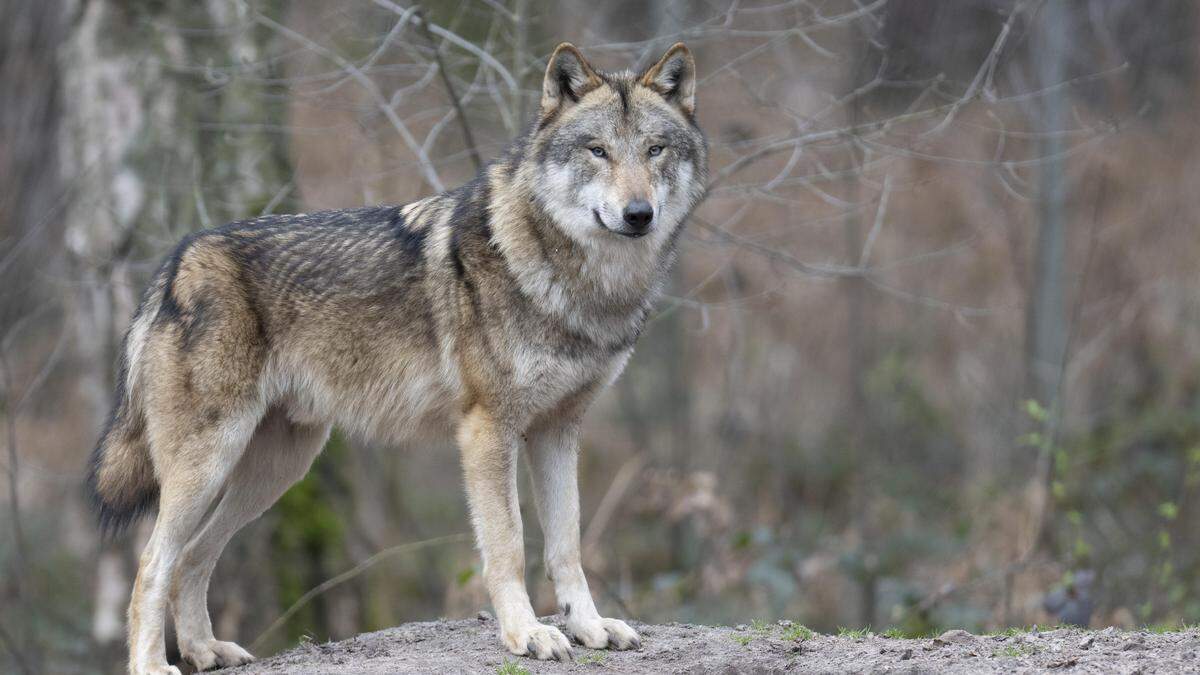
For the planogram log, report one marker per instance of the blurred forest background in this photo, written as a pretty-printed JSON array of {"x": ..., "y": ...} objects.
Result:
[{"x": 929, "y": 359}]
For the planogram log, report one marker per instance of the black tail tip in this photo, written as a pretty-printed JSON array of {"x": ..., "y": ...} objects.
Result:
[{"x": 113, "y": 518}]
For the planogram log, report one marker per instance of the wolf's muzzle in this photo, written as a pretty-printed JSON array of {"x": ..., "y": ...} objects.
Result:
[{"x": 631, "y": 233}]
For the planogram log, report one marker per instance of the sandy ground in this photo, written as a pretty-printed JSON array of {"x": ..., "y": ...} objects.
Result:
[{"x": 471, "y": 646}]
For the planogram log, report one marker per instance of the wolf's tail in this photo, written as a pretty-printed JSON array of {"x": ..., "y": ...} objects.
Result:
[{"x": 121, "y": 483}]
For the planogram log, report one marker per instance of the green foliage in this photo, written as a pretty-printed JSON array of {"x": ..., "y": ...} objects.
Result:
[
  {"x": 1138, "y": 472},
  {"x": 1168, "y": 511},
  {"x": 854, "y": 633},
  {"x": 741, "y": 639},
  {"x": 1035, "y": 411},
  {"x": 464, "y": 576}
]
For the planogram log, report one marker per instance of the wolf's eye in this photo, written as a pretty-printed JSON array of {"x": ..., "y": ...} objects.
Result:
[
  {"x": 655, "y": 150},
  {"x": 598, "y": 151}
]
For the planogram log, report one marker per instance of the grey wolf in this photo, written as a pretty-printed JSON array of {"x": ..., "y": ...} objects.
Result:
[{"x": 495, "y": 312}]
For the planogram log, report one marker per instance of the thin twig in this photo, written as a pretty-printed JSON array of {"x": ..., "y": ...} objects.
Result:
[
  {"x": 878, "y": 225},
  {"x": 981, "y": 74},
  {"x": 468, "y": 137},
  {"x": 612, "y": 498},
  {"x": 353, "y": 572}
]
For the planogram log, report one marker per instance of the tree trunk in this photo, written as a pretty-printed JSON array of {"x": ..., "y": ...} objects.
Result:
[{"x": 1046, "y": 324}]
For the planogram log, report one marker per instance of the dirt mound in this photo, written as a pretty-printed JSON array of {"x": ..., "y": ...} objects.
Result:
[{"x": 471, "y": 646}]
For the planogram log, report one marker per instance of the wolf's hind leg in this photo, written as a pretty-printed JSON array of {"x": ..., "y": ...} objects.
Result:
[
  {"x": 489, "y": 454},
  {"x": 193, "y": 461},
  {"x": 279, "y": 454},
  {"x": 553, "y": 458}
]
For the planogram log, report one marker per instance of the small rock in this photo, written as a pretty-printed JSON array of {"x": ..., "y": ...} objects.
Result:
[
  {"x": 785, "y": 623},
  {"x": 954, "y": 636},
  {"x": 1065, "y": 663},
  {"x": 906, "y": 655},
  {"x": 1130, "y": 645},
  {"x": 483, "y": 615},
  {"x": 1087, "y": 642},
  {"x": 740, "y": 626}
]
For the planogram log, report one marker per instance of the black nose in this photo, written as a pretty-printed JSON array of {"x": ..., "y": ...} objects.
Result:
[{"x": 638, "y": 214}]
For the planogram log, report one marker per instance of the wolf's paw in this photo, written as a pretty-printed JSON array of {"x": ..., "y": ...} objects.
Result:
[
  {"x": 215, "y": 654},
  {"x": 605, "y": 633},
  {"x": 161, "y": 669},
  {"x": 538, "y": 641}
]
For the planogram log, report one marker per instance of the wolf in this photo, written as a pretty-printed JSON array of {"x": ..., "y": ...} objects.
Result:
[{"x": 493, "y": 313}]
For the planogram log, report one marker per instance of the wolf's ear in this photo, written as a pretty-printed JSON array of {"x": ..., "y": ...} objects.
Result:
[
  {"x": 568, "y": 78},
  {"x": 674, "y": 76}
]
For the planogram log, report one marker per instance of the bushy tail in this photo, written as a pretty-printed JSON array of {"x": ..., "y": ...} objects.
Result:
[{"x": 121, "y": 481}]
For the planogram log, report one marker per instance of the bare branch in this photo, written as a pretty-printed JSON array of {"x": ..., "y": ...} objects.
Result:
[
  {"x": 456, "y": 40},
  {"x": 468, "y": 137},
  {"x": 423, "y": 161}
]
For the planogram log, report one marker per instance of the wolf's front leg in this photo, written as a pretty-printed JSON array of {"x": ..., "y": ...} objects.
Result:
[
  {"x": 553, "y": 455},
  {"x": 489, "y": 453}
]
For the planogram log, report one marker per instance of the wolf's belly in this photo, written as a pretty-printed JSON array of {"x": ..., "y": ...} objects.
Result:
[{"x": 385, "y": 403}]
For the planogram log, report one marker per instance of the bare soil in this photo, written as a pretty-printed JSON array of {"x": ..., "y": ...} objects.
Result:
[{"x": 472, "y": 646}]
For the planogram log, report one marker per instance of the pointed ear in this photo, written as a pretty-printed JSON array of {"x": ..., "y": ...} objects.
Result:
[
  {"x": 674, "y": 76},
  {"x": 568, "y": 78}
]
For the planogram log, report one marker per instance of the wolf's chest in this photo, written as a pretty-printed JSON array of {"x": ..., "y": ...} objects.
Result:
[{"x": 543, "y": 376}]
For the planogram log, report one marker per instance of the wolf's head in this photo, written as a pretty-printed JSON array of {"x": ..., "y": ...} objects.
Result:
[{"x": 618, "y": 157}]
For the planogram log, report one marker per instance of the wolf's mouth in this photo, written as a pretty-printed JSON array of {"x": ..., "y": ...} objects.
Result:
[{"x": 600, "y": 222}]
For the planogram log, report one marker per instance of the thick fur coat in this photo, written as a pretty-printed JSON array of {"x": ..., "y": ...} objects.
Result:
[{"x": 493, "y": 313}]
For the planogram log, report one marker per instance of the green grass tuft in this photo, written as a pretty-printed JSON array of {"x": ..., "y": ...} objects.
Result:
[
  {"x": 1162, "y": 628},
  {"x": 759, "y": 626},
  {"x": 798, "y": 633},
  {"x": 854, "y": 633},
  {"x": 1015, "y": 651},
  {"x": 591, "y": 659},
  {"x": 742, "y": 640}
]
